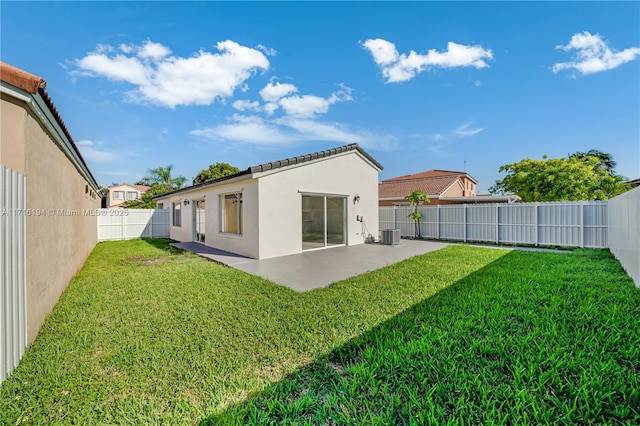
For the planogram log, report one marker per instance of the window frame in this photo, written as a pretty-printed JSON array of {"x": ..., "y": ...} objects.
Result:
[
  {"x": 135, "y": 195},
  {"x": 176, "y": 214},
  {"x": 222, "y": 213},
  {"x": 116, "y": 193}
]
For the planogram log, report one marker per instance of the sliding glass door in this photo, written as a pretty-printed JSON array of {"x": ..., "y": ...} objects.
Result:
[{"x": 323, "y": 221}]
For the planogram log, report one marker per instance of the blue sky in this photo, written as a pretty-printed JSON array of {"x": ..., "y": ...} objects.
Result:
[{"x": 419, "y": 85}]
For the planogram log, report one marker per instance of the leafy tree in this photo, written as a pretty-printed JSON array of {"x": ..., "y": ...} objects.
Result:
[
  {"x": 416, "y": 198},
  {"x": 605, "y": 161},
  {"x": 578, "y": 177},
  {"x": 162, "y": 176},
  {"x": 215, "y": 171}
]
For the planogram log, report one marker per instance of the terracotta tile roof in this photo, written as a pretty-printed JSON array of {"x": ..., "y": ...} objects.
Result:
[
  {"x": 21, "y": 79},
  {"x": 141, "y": 188},
  {"x": 433, "y": 186},
  {"x": 430, "y": 174},
  {"x": 281, "y": 163}
]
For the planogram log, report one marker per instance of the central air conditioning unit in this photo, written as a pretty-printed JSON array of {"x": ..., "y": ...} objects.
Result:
[{"x": 390, "y": 236}]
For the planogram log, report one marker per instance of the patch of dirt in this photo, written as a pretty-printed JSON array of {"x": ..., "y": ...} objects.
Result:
[
  {"x": 158, "y": 261},
  {"x": 149, "y": 262}
]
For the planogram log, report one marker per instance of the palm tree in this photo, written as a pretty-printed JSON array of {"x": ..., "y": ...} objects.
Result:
[
  {"x": 416, "y": 198},
  {"x": 161, "y": 177}
]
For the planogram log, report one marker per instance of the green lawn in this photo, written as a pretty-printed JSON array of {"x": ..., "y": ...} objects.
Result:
[{"x": 464, "y": 335}]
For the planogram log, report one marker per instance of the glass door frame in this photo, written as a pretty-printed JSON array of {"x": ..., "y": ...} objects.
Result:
[
  {"x": 199, "y": 227},
  {"x": 324, "y": 198}
]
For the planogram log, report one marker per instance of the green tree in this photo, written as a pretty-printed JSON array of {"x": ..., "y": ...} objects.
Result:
[
  {"x": 215, "y": 171},
  {"x": 605, "y": 161},
  {"x": 162, "y": 176},
  {"x": 578, "y": 177},
  {"x": 416, "y": 198}
]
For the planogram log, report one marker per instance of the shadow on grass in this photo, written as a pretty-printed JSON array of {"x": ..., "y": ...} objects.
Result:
[{"x": 531, "y": 337}]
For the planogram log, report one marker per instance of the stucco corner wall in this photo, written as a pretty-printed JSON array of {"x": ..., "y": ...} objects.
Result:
[{"x": 280, "y": 201}]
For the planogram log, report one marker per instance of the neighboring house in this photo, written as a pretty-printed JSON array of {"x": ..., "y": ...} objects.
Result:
[
  {"x": 117, "y": 195},
  {"x": 48, "y": 200},
  {"x": 442, "y": 187},
  {"x": 320, "y": 200},
  {"x": 438, "y": 184}
]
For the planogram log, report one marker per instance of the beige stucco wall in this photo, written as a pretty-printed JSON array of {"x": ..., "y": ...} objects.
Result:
[
  {"x": 12, "y": 119},
  {"x": 272, "y": 205},
  {"x": 280, "y": 200},
  {"x": 58, "y": 240},
  {"x": 245, "y": 244}
]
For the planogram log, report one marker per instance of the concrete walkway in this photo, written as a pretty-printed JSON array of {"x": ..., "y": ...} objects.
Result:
[{"x": 318, "y": 268}]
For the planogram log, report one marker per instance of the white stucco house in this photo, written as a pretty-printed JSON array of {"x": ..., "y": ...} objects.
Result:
[{"x": 314, "y": 201}]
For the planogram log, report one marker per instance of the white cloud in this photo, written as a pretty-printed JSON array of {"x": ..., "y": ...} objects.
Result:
[
  {"x": 438, "y": 142},
  {"x": 169, "y": 81},
  {"x": 478, "y": 83},
  {"x": 245, "y": 105},
  {"x": 308, "y": 106},
  {"x": 592, "y": 54},
  {"x": 267, "y": 50},
  {"x": 273, "y": 92},
  {"x": 383, "y": 51},
  {"x": 305, "y": 106},
  {"x": 289, "y": 130},
  {"x": 466, "y": 130},
  {"x": 91, "y": 153},
  {"x": 403, "y": 67}
]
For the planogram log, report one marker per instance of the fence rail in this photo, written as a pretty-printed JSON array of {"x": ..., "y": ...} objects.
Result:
[
  {"x": 568, "y": 224},
  {"x": 13, "y": 265},
  {"x": 126, "y": 224}
]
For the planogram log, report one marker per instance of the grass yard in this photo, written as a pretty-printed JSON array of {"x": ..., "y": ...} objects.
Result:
[{"x": 149, "y": 335}]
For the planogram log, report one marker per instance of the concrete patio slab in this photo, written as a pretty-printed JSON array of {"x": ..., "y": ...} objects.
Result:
[{"x": 318, "y": 268}]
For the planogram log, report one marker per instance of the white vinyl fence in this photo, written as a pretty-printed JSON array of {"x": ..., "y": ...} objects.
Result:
[
  {"x": 624, "y": 231},
  {"x": 126, "y": 224},
  {"x": 569, "y": 224},
  {"x": 13, "y": 284}
]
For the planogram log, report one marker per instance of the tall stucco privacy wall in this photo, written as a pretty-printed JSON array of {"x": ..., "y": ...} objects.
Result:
[{"x": 46, "y": 241}]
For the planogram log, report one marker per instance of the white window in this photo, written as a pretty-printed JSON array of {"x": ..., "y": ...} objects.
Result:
[
  {"x": 132, "y": 195},
  {"x": 177, "y": 214},
  {"x": 118, "y": 195},
  {"x": 231, "y": 213}
]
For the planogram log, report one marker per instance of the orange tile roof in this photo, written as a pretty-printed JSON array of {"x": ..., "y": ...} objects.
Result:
[
  {"x": 21, "y": 79},
  {"x": 430, "y": 174},
  {"x": 433, "y": 186},
  {"x": 433, "y": 182}
]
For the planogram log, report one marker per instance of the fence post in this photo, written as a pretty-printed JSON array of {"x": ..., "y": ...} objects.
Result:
[
  {"x": 581, "y": 224},
  {"x": 464, "y": 220},
  {"x": 438, "y": 222},
  {"x": 124, "y": 228},
  {"x": 394, "y": 218},
  {"x": 536, "y": 207},
  {"x": 497, "y": 223}
]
